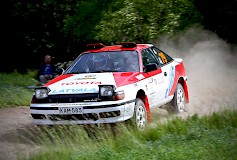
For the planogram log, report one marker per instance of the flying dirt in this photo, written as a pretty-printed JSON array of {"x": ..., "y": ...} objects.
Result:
[{"x": 211, "y": 66}]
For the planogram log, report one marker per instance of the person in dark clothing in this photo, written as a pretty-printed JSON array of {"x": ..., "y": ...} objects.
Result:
[{"x": 47, "y": 70}]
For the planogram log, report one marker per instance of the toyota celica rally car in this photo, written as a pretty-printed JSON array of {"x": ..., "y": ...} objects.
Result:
[{"x": 111, "y": 84}]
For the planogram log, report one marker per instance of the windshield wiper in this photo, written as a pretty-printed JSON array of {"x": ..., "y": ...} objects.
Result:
[
  {"x": 105, "y": 70},
  {"x": 75, "y": 72}
]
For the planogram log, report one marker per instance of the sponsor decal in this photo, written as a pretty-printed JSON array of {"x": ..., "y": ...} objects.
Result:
[
  {"x": 163, "y": 58},
  {"x": 78, "y": 90},
  {"x": 84, "y": 78},
  {"x": 91, "y": 100},
  {"x": 160, "y": 82},
  {"x": 128, "y": 109},
  {"x": 140, "y": 77},
  {"x": 87, "y": 77},
  {"x": 80, "y": 83},
  {"x": 171, "y": 80},
  {"x": 90, "y": 76},
  {"x": 70, "y": 104}
]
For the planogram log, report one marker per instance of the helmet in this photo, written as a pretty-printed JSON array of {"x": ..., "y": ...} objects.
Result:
[
  {"x": 100, "y": 61},
  {"x": 99, "y": 58}
]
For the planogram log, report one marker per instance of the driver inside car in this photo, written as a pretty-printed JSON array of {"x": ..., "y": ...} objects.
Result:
[{"x": 101, "y": 63}]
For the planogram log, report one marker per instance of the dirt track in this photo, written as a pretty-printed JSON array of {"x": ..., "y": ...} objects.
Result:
[{"x": 212, "y": 78}]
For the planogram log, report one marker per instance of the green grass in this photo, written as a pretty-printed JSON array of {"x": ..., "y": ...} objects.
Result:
[
  {"x": 13, "y": 89},
  {"x": 208, "y": 137}
]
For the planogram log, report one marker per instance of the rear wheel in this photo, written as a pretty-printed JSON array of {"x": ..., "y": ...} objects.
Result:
[
  {"x": 179, "y": 101},
  {"x": 139, "y": 119}
]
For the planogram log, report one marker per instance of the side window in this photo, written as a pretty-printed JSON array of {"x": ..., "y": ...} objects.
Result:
[
  {"x": 148, "y": 57},
  {"x": 162, "y": 57}
]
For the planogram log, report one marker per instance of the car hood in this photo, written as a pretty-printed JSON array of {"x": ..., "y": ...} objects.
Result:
[{"x": 88, "y": 82}]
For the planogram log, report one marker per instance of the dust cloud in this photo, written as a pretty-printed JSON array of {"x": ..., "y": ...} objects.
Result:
[{"x": 211, "y": 66}]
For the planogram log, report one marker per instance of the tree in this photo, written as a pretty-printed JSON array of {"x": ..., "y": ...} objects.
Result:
[
  {"x": 219, "y": 17},
  {"x": 144, "y": 20}
]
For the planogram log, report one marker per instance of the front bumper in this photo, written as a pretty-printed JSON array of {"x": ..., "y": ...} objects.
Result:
[{"x": 93, "y": 113}]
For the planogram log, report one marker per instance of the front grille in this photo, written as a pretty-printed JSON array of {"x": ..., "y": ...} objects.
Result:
[
  {"x": 109, "y": 114},
  {"x": 71, "y": 98},
  {"x": 86, "y": 116},
  {"x": 38, "y": 116},
  {"x": 67, "y": 98}
]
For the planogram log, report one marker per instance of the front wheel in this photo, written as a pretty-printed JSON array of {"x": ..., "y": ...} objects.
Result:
[
  {"x": 139, "y": 119},
  {"x": 179, "y": 100}
]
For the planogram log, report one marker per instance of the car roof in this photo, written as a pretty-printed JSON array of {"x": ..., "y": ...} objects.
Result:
[{"x": 123, "y": 46}]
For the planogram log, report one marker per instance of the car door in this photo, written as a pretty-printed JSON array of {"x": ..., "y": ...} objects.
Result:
[
  {"x": 155, "y": 77},
  {"x": 168, "y": 73}
]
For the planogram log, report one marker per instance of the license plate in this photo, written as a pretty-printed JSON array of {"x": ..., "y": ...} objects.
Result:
[{"x": 70, "y": 110}]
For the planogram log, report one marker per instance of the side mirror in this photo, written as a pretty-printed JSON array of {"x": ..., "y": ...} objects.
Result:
[{"x": 151, "y": 67}]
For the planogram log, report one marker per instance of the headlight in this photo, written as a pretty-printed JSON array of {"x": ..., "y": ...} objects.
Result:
[
  {"x": 107, "y": 92},
  {"x": 41, "y": 93}
]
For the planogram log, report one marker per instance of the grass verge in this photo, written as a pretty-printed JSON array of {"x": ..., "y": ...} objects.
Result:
[
  {"x": 13, "y": 89},
  {"x": 208, "y": 137}
]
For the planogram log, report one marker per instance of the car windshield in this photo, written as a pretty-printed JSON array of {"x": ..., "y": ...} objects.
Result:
[{"x": 116, "y": 61}]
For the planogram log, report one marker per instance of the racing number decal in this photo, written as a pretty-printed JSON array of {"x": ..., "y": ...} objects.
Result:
[
  {"x": 171, "y": 81},
  {"x": 163, "y": 58}
]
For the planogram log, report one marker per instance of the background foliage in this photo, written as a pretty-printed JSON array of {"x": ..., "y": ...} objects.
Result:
[{"x": 63, "y": 28}]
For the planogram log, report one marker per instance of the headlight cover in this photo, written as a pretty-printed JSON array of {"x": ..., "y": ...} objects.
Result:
[
  {"x": 41, "y": 93},
  {"x": 107, "y": 92}
]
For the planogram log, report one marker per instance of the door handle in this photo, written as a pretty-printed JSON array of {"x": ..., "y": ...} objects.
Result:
[{"x": 165, "y": 74}]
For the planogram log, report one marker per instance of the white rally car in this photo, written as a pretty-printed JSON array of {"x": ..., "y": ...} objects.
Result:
[{"x": 110, "y": 84}]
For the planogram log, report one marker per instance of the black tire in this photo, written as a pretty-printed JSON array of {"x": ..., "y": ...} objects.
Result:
[
  {"x": 178, "y": 102},
  {"x": 139, "y": 119}
]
